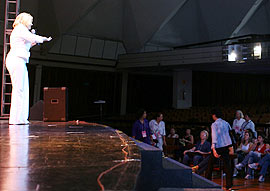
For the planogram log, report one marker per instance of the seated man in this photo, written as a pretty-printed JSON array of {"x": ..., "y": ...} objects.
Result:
[
  {"x": 196, "y": 153},
  {"x": 248, "y": 125}
]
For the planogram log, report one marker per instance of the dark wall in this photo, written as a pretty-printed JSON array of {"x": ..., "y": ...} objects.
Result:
[
  {"x": 224, "y": 89},
  {"x": 85, "y": 87},
  {"x": 151, "y": 92}
]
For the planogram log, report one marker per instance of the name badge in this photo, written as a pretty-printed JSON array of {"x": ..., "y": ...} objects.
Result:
[{"x": 144, "y": 134}]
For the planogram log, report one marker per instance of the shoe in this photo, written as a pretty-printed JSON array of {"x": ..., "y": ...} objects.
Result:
[
  {"x": 261, "y": 178},
  {"x": 239, "y": 166},
  {"x": 230, "y": 189},
  {"x": 235, "y": 173},
  {"x": 195, "y": 168},
  {"x": 248, "y": 177},
  {"x": 253, "y": 166}
]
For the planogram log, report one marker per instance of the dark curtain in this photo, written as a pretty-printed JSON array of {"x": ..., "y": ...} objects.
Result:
[
  {"x": 222, "y": 89},
  {"x": 85, "y": 87},
  {"x": 150, "y": 92}
]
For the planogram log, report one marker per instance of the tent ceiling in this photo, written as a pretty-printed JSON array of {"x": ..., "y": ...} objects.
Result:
[{"x": 160, "y": 22}]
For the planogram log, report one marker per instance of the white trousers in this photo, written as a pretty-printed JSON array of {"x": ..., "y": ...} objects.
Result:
[{"x": 19, "y": 110}]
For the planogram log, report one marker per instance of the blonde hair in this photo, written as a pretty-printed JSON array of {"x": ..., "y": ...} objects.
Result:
[
  {"x": 206, "y": 133},
  {"x": 23, "y": 18},
  {"x": 241, "y": 113}
]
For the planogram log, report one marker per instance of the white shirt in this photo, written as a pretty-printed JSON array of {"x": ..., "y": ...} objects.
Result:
[
  {"x": 20, "y": 41},
  {"x": 175, "y": 136},
  {"x": 158, "y": 129},
  {"x": 245, "y": 147},
  {"x": 237, "y": 125}
]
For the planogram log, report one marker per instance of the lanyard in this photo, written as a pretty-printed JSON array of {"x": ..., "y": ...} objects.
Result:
[{"x": 245, "y": 125}]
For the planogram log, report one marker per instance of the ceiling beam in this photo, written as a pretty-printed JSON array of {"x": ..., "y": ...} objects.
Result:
[{"x": 246, "y": 19}]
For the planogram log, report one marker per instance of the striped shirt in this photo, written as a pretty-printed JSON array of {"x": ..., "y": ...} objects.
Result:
[{"x": 220, "y": 134}]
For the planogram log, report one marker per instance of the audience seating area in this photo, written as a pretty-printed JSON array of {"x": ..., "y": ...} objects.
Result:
[{"x": 198, "y": 118}]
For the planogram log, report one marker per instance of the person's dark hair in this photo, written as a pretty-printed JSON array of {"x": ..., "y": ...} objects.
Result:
[
  {"x": 217, "y": 112},
  {"x": 158, "y": 114},
  {"x": 140, "y": 113},
  {"x": 249, "y": 139},
  {"x": 262, "y": 135},
  {"x": 249, "y": 115}
]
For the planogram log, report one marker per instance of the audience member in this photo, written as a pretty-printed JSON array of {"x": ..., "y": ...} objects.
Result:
[
  {"x": 141, "y": 130},
  {"x": 248, "y": 125},
  {"x": 157, "y": 127},
  {"x": 173, "y": 134},
  {"x": 203, "y": 147},
  {"x": 188, "y": 139},
  {"x": 221, "y": 146},
  {"x": 253, "y": 156},
  {"x": 202, "y": 166},
  {"x": 243, "y": 150},
  {"x": 238, "y": 122},
  {"x": 264, "y": 163}
]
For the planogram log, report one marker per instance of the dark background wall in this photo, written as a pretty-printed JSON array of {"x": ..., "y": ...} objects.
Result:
[
  {"x": 224, "y": 89},
  {"x": 85, "y": 87},
  {"x": 150, "y": 92}
]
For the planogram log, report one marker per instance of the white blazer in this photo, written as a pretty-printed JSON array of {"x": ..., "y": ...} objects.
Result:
[{"x": 20, "y": 41}]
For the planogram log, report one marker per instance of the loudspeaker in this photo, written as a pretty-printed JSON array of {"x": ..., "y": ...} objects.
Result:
[
  {"x": 36, "y": 111},
  {"x": 55, "y": 104}
]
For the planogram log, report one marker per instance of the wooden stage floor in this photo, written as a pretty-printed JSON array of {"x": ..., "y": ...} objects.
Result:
[
  {"x": 239, "y": 183},
  {"x": 65, "y": 156},
  {"x": 70, "y": 156}
]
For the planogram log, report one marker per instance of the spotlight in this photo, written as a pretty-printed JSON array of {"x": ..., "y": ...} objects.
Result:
[
  {"x": 257, "y": 51},
  {"x": 232, "y": 56}
]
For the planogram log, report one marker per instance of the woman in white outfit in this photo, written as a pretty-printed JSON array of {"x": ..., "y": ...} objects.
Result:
[
  {"x": 238, "y": 122},
  {"x": 21, "y": 40}
]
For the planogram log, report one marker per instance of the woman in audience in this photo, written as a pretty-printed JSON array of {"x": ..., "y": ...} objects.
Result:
[
  {"x": 238, "y": 122},
  {"x": 188, "y": 139},
  {"x": 203, "y": 147},
  {"x": 186, "y": 143},
  {"x": 243, "y": 150},
  {"x": 253, "y": 156},
  {"x": 173, "y": 134},
  {"x": 264, "y": 163},
  {"x": 141, "y": 130}
]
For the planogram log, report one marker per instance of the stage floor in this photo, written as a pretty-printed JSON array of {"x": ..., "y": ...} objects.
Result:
[
  {"x": 247, "y": 185},
  {"x": 65, "y": 156}
]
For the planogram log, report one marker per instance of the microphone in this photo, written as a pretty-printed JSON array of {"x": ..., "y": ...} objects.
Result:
[{"x": 33, "y": 31}]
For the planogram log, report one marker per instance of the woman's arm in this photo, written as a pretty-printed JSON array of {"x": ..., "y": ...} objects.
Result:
[
  {"x": 190, "y": 150},
  {"x": 251, "y": 147},
  {"x": 134, "y": 130},
  {"x": 191, "y": 139},
  {"x": 32, "y": 38}
]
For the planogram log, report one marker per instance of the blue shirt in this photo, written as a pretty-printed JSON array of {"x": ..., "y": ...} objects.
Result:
[
  {"x": 220, "y": 134},
  {"x": 138, "y": 128},
  {"x": 205, "y": 147}
]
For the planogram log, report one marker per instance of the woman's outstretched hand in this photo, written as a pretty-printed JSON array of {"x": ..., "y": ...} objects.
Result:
[{"x": 47, "y": 39}]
